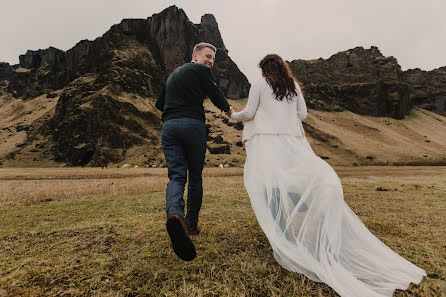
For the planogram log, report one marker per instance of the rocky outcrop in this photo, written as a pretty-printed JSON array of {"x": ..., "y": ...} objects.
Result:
[
  {"x": 359, "y": 80},
  {"x": 90, "y": 126},
  {"x": 427, "y": 89},
  {"x": 228, "y": 76},
  {"x": 207, "y": 28},
  {"x": 169, "y": 37},
  {"x": 34, "y": 59}
]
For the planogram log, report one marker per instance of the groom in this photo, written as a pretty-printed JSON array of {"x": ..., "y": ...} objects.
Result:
[{"x": 183, "y": 138}]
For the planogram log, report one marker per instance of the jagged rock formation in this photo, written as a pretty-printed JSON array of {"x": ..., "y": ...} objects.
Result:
[
  {"x": 359, "y": 80},
  {"x": 107, "y": 86},
  {"x": 169, "y": 37},
  {"x": 427, "y": 89}
]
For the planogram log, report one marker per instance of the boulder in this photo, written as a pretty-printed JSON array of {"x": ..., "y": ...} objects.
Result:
[{"x": 219, "y": 148}]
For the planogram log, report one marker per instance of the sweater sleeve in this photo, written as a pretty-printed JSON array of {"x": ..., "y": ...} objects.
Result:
[
  {"x": 213, "y": 91},
  {"x": 161, "y": 99},
  {"x": 301, "y": 106},
  {"x": 251, "y": 107}
]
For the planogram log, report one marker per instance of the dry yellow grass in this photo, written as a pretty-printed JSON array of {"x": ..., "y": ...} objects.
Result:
[
  {"x": 104, "y": 243},
  {"x": 418, "y": 138},
  {"x": 348, "y": 138},
  {"x": 31, "y": 185}
]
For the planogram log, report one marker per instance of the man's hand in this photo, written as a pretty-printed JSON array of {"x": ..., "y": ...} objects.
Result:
[{"x": 229, "y": 112}]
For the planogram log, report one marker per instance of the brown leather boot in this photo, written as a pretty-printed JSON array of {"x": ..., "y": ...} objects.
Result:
[
  {"x": 195, "y": 231},
  {"x": 179, "y": 236}
]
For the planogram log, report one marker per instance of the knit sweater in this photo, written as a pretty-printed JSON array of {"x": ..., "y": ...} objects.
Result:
[
  {"x": 264, "y": 114},
  {"x": 184, "y": 92}
]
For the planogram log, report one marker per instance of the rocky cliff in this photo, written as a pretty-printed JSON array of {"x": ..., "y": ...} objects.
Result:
[
  {"x": 365, "y": 82},
  {"x": 169, "y": 37},
  {"x": 427, "y": 89},
  {"x": 359, "y": 80},
  {"x": 106, "y": 88}
]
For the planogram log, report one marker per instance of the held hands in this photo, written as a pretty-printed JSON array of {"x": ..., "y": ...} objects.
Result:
[{"x": 229, "y": 112}]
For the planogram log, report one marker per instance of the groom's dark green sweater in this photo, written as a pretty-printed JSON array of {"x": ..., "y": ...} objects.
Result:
[{"x": 184, "y": 92}]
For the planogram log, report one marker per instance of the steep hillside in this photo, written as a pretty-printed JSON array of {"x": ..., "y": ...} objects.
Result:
[{"x": 346, "y": 138}]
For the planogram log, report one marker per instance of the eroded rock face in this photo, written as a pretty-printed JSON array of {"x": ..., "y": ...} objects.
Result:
[
  {"x": 168, "y": 36},
  {"x": 427, "y": 89},
  {"x": 359, "y": 80},
  {"x": 34, "y": 59},
  {"x": 228, "y": 76}
]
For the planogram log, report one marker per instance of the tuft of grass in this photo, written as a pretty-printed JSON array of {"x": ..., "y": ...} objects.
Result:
[{"x": 91, "y": 241}]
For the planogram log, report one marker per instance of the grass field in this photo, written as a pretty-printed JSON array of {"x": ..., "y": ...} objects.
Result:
[{"x": 93, "y": 232}]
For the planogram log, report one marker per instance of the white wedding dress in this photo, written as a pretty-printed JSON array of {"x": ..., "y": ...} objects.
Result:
[{"x": 299, "y": 203}]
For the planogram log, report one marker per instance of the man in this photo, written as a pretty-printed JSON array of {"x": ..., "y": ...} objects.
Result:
[{"x": 183, "y": 138}]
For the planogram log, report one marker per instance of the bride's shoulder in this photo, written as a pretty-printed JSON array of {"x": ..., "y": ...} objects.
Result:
[
  {"x": 260, "y": 82},
  {"x": 298, "y": 85}
]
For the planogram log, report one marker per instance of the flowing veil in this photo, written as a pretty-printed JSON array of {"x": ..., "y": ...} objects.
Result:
[{"x": 298, "y": 201}]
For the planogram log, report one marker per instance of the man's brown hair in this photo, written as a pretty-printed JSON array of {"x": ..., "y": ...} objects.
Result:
[{"x": 199, "y": 46}]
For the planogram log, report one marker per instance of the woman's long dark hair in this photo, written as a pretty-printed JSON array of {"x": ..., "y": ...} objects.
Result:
[{"x": 278, "y": 75}]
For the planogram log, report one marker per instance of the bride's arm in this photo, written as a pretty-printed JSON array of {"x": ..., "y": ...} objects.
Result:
[
  {"x": 301, "y": 106},
  {"x": 251, "y": 107}
]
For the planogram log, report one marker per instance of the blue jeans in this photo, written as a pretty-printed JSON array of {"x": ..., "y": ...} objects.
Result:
[
  {"x": 184, "y": 147},
  {"x": 276, "y": 206}
]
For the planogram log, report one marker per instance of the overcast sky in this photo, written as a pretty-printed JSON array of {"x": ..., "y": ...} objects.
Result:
[{"x": 412, "y": 31}]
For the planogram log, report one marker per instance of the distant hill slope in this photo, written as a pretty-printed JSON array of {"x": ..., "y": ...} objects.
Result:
[
  {"x": 341, "y": 138},
  {"x": 349, "y": 139},
  {"x": 346, "y": 138}
]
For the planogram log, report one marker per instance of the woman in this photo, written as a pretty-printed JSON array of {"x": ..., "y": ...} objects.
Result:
[{"x": 298, "y": 199}]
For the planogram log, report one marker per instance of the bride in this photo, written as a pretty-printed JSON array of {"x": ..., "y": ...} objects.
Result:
[{"x": 298, "y": 199}]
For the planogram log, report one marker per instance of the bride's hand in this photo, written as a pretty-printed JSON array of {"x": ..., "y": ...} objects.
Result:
[{"x": 229, "y": 112}]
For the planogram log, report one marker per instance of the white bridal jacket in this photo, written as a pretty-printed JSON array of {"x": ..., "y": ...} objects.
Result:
[{"x": 272, "y": 116}]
